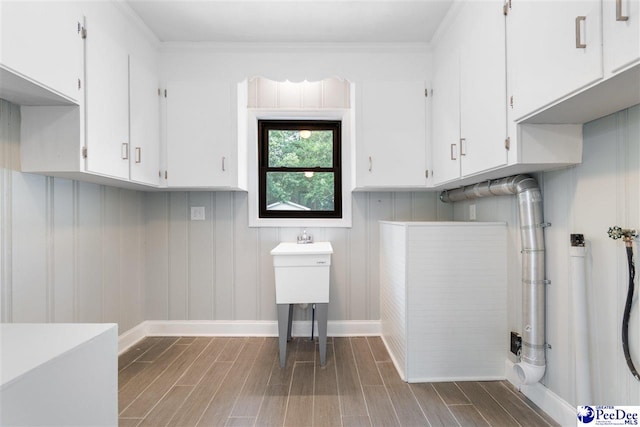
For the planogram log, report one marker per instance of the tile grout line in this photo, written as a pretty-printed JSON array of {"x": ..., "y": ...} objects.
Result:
[
  {"x": 293, "y": 371},
  {"x": 384, "y": 384},
  {"x": 273, "y": 366},
  {"x": 335, "y": 366},
  {"x": 424, "y": 414},
  {"x": 235, "y": 402},
  {"x": 498, "y": 402},
  {"x": 156, "y": 378},
  {"x": 474, "y": 405},
  {"x": 208, "y": 367},
  {"x": 366, "y": 405},
  {"x": 199, "y": 380},
  {"x": 526, "y": 404},
  {"x": 313, "y": 393},
  {"x": 445, "y": 404},
  {"x": 177, "y": 379},
  {"x": 221, "y": 382}
]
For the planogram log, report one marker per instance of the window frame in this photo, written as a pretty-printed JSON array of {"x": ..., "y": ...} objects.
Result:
[{"x": 264, "y": 125}]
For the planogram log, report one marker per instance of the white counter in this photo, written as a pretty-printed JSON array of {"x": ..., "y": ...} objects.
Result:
[{"x": 58, "y": 374}]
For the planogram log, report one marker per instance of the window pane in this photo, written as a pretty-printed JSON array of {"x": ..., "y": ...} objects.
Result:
[
  {"x": 302, "y": 191},
  {"x": 301, "y": 148}
]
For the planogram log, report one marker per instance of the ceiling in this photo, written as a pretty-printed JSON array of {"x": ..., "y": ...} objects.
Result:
[{"x": 286, "y": 21}]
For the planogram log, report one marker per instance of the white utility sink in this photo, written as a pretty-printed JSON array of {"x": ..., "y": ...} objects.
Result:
[
  {"x": 302, "y": 276},
  {"x": 302, "y": 272}
]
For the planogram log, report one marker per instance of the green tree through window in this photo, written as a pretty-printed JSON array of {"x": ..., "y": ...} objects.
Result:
[{"x": 299, "y": 169}]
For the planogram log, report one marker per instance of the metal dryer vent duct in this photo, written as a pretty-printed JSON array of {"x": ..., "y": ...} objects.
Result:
[{"x": 532, "y": 366}]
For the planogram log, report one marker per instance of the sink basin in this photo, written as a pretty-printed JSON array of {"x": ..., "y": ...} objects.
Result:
[
  {"x": 302, "y": 276},
  {"x": 289, "y": 248},
  {"x": 302, "y": 272}
]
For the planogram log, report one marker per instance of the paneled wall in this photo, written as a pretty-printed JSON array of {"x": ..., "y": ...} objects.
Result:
[
  {"x": 603, "y": 191},
  {"x": 78, "y": 252},
  {"x": 71, "y": 251},
  {"x": 221, "y": 269}
]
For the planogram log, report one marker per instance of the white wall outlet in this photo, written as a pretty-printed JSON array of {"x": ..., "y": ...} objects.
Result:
[
  {"x": 472, "y": 212},
  {"x": 197, "y": 213}
]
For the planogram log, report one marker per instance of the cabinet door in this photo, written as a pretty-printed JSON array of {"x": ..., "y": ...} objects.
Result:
[
  {"x": 446, "y": 115},
  {"x": 41, "y": 40},
  {"x": 199, "y": 134},
  {"x": 144, "y": 120},
  {"x": 483, "y": 126},
  {"x": 554, "y": 49},
  {"x": 392, "y": 147},
  {"x": 107, "y": 94},
  {"x": 621, "y": 34}
]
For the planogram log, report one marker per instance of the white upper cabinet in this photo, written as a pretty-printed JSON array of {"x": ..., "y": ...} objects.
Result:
[
  {"x": 554, "y": 50},
  {"x": 144, "y": 120},
  {"x": 446, "y": 114},
  {"x": 41, "y": 41},
  {"x": 391, "y": 134},
  {"x": 113, "y": 135},
  {"x": 482, "y": 88},
  {"x": 469, "y": 93},
  {"x": 107, "y": 92},
  {"x": 201, "y": 147},
  {"x": 621, "y": 34}
]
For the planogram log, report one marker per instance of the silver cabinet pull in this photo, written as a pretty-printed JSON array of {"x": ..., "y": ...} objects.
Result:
[
  {"x": 619, "y": 15},
  {"x": 463, "y": 146},
  {"x": 124, "y": 150},
  {"x": 224, "y": 166},
  {"x": 454, "y": 151},
  {"x": 579, "y": 44},
  {"x": 138, "y": 154},
  {"x": 370, "y": 164}
]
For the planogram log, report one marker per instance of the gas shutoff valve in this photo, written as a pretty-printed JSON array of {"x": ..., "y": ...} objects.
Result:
[{"x": 627, "y": 235}]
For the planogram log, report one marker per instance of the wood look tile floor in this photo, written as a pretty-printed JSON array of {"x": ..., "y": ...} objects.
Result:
[{"x": 221, "y": 381}]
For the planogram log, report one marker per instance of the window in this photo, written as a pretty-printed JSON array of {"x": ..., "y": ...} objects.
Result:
[{"x": 299, "y": 169}]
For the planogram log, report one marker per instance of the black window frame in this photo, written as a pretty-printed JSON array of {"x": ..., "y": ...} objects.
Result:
[{"x": 263, "y": 167}]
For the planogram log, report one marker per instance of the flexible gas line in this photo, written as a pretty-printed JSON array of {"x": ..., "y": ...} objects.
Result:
[{"x": 627, "y": 237}]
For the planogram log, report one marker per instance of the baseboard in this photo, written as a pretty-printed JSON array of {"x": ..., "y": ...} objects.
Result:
[
  {"x": 241, "y": 328},
  {"x": 127, "y": 339},
  {"x": 399, "y": 366},
  {"x": 556, "y": 407}
]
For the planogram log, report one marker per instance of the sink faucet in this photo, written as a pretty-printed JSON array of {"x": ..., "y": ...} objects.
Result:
[{"x": 305, "y": 238}]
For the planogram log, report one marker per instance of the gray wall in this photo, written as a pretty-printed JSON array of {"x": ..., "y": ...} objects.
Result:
[
  {"x": 220, "y": 269},
  {"x": 71, "y": 251},
  {"x": 78, "y": 252},
  {"x": 603, "y": 191}
]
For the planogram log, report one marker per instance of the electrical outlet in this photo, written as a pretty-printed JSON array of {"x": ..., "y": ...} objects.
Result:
[
  {"x": 197, "y": 213},
  {"x": 516, "y": 343},
  {"x": 472, "y": 212}
]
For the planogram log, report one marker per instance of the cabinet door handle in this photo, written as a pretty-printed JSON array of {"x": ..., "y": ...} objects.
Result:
[
  {"x": 370, "y": 164},
  {"x": 138, "y": 154},
  {"x": 454, "y": 151},
  {"x": 224, "y": 166},
  {"x": 579, "y": 44},
  {"x": 124, "y": 151},
  {"x": 619, "y": 15},
  {"x": 463, "y": 146}
]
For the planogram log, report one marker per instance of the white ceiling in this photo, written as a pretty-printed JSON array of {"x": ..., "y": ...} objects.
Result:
[{"x": 285, "y": 21}]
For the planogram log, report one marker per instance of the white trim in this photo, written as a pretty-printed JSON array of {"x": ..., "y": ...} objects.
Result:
[
  {"x": 239, "y": 328},
  {"x": 262, "y": 47},
  {"x": 127, "y": 339},
  {"x": 400, "y": 368},
  {"x": 556, "y": 407},
  {"x": 346, "y": 116}
]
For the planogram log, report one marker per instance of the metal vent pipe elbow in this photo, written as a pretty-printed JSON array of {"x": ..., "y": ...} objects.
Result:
[{"x": 532, "y": 366}]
